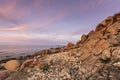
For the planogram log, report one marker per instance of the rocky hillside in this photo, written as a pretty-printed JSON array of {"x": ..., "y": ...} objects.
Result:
[{"x": 95, "y": 57}]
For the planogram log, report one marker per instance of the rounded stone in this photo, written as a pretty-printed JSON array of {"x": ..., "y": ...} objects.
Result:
[{"x": 12, "y": 65}]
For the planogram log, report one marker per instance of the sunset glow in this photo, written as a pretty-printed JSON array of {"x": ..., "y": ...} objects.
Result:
[{"x": 51, "y": 21}]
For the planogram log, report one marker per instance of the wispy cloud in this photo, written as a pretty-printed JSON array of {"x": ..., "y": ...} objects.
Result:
[
  {"x": 37, "y": 38},
  {"x": 10, "y": 11},
  {"x": 52, "y": 20},
  {"x": 16, "y": 28}
]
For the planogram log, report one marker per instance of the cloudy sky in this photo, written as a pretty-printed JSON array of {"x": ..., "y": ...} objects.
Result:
[{"x": 51, "y": 21}]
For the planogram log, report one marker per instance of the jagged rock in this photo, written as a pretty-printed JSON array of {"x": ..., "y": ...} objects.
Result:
[
  {"x": 109, "y": 21},
  {"x": 98, "y": 34},
  {"x": 69, "y": 45},
  {"x": 42, "y": 52},
  {"x": 117, "y": 17},
  {"x": 26, "y": 63},
  {"x": 12, "y": 65},
  {"x": 103, "y": 44},
  {"x": 79, "y": 42},
  {"x": 100, "y": 27},
  {"x": 83, "y": 38},
  {"x": 91, "y": 32},
  {"x": 86, "y": 48},
  {"x": 114, "y": 29}
]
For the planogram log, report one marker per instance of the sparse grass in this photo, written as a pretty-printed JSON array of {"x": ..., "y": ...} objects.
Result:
[{"x": 45, "y": 67}]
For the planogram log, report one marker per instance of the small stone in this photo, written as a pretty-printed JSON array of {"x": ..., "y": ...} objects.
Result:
[{"x": 117, "y": 64}]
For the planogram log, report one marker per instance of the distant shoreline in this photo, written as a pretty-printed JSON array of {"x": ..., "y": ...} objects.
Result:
[{"x": 22, "y": 55}]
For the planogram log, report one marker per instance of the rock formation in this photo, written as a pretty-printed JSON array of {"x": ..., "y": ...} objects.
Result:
[{"x": 95, "y": 57}]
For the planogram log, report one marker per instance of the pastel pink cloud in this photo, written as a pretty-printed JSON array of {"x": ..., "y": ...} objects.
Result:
[{"x": 16, "y": 28}]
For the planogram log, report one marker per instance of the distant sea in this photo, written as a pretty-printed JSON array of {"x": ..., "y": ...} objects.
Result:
[{"x": 13, "y": 51}]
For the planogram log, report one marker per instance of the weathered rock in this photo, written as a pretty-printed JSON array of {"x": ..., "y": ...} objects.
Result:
[
  {"x": 114, "y": 29},
  {"x": 42, "y": 52},
  {"x": 106, "y": 54},
  {"x": 109, "y": 21},
  {"x": 12, "y": 65},
  {"x": 117, "y": 64},
  {"x": 79, "y": 42},
  {"x": 117, "y": 17},
  {"x": 4, "y": 75},
  {"x": 70, "y": 45},
  {"x": 96, "y": 35},
  {"x": 83, "y": 38},
  {"x": 100, "y": 27},
  {"x": 86, "y": 48},
  {"x": 100, "y": 47},
  {"x": 26, "y": 63},
  {"x": 91, "y": 32}
]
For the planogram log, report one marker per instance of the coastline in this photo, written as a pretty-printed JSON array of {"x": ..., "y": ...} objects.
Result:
[{"x": 25, "y": 56}]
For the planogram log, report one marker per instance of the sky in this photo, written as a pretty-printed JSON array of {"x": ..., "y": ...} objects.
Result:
[{"x": 51, "y": 22}]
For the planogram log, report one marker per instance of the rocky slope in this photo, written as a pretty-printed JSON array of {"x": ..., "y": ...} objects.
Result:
[{"x": 95, "y": 57}]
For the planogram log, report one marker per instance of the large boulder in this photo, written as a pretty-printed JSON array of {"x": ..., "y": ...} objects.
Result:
[
  {"x": 67, "y": 47},
  {"x": 99, "y": 27},
  {"x": 42, "y": 52},
  {"x": 114, "y": 29},
  {"x": 109, "y": 21},
  {"x": 117, "y": 16},
  {"x": 83, "y": 38},
  {"x": 12, "y": 65},
  {"x": 70, "y": 45},
  {"x": 4, "y": 75}
]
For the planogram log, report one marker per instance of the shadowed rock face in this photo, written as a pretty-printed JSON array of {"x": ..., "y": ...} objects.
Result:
[
  {"x": 99, "y": 27},
  {"x": 117, "y": 16},
  {"x": 95, "y": 57}
]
